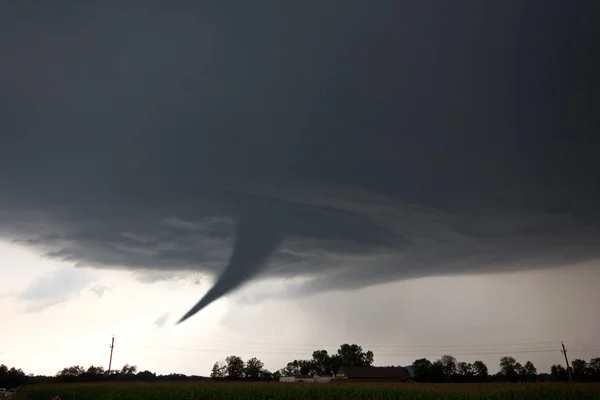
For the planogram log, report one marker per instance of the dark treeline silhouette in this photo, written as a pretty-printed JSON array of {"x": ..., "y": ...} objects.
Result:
[
  {"x": 13, "y": 378},
  {"x": 448, "y": 369},
  {"x": 445, "y": 369},
  {"x": 321, "y": 363}
]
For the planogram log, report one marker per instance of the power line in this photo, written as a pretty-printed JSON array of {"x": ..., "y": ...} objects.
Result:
[
  {"x": 313, "y": 345},
  {"x": 584, "y": 344},
  {"x": 381, "y": 349},
  {"x": 586, "y": 352},
  {"x": 305, "y": 351},
  {"x": 301, "y": 352},
  {"x": 272, "y": 344}
]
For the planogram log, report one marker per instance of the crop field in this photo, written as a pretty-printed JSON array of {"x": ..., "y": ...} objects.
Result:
[{"x": 309, "y": 391}]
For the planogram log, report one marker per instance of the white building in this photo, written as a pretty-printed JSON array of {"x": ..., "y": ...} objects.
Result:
[{"x": 306, "y": 379}]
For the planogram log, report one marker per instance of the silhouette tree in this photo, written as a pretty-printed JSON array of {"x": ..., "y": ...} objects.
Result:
[
  {"x": 146, "y": 376},
  {"x": 276, "y": 375},
  {"x": 93, "y": 373},
  {"x": 323, "y": 364},
  {"x": 437, "y": 372},
  {"x": 352, "y": 355},
  {"x": 266, "y": 375},
  {"x": 291, "y": 369},
  {"x": 70, "y": 373},
  {"x": 254, "y": 368},
  {"x": 558, "y": 373},
  {"x": 128, "y": 370},
  {"x": 520, "y": 371},
  {"x": 306, "y": 367},
  {"x": 235, "y": 367},
  {"x": 465, "y": 371},
  {"x": 529, "y": 371},
  {"x": 508, "y": 367},
  {"x": 422, "y": 370},
  {"x": 480, "y": 370},
  {"x": 594, "y": 368},
  {"x": 11, "y": 378},
  {"x": 219, "y": 370},
  {"x": 580, "y": 369},
  {"x": 449, "y": 365}
]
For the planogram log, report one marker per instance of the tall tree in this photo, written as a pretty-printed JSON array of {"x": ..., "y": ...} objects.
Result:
[
  {"x": 254, "y": 368},
  {"x": 291, "y": 369},
  {"x": 529, "y": 370},
  {"x": 558, "y": 373},
  {"x": 306, "y": 367},
  {"x": 322, "y": 363},
  {"x": 594, "y": 368},
  {"x": 449, "y": 365},
  {"x": 352, "y": 355},
  {"x": 219, "y": 370},
  {"x": 422, "y": 370},
  {"x": 336, "y": 363},
  {"x": 508, "y": 367},
  {"x": 235, "y": 367},
  {"x": 465, "y": 370},
  {"x": 520, "y": 371},
  {"x": 480, "y": 370},
  {"x": 437, "y": 372},
  {"x": 580, "y": 368}
]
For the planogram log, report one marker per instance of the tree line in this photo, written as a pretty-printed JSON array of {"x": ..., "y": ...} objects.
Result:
[
  {"x": 445, "y": 369},
  {"x": 13, "y": 377},
  {"x": 321, "y": 363}
]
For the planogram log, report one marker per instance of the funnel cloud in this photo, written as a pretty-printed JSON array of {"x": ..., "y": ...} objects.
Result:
[
  {"x": 250, "y": 251},
  {"x": 346, "y": 144}
]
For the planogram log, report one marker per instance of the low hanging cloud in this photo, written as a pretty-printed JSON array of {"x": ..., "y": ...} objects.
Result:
[
  {"x": 246, "y": 145},
  {"x": 58, "y": 287},
  {"x": 162, "y": 320}
]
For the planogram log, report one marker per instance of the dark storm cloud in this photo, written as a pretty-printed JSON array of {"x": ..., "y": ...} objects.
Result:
[{"x": 347, "y": 142}]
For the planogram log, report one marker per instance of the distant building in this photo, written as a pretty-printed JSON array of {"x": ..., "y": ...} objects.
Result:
[
  {"x": 306, "y": 379},
  {"x": 354, "y": 374},
  {"x": 373, "y": 374}
]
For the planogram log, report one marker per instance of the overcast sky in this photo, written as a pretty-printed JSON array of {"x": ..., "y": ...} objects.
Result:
[{"x": 419, "y": 178}]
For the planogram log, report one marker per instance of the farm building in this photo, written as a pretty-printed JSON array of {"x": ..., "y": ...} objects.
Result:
[
  {"x": 373, "y": 374},
  {"x": 306, "y": 379}
]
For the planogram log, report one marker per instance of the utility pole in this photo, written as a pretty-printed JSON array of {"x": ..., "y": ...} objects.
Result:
[
  {"x": 112, "y": 345},
  {"x": 564, "y": 351}
]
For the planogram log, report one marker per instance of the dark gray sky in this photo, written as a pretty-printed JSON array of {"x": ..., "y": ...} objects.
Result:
[{"x": 348, "y": 142}]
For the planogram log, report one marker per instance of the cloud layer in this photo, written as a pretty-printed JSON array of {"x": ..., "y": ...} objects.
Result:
[{"x": 350, "y": 145}]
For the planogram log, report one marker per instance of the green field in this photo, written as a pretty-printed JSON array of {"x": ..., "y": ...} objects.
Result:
[{"x": 288, "y": 391}]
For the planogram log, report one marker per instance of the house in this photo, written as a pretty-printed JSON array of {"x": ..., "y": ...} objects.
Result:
[{"x": 373, "y": 374}]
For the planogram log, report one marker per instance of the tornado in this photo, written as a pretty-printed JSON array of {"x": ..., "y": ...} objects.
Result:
[{"x": 258, "y": 233}]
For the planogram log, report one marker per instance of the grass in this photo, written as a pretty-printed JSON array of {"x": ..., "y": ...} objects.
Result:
[{"x": 309, "y": 391}]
